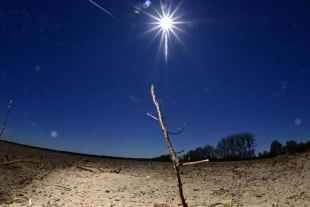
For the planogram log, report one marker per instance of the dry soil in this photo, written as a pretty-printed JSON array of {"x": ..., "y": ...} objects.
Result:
[{"x": 34, "y": 177}]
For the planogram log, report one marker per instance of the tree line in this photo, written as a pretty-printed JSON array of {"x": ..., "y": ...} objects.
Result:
[
  {"x": 290, "y": 147},
  {"x": 239, "y": 146},
  {"x": 233, "y": 147}
]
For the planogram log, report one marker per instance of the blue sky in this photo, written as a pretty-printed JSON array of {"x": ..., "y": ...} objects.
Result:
[{"x": 72, "y": 69}]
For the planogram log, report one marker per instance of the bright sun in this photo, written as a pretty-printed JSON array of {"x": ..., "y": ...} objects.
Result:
[{"x": 166, "y": 24}]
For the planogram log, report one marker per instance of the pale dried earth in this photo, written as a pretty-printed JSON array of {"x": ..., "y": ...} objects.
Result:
[{"x": 47, "y": 178}]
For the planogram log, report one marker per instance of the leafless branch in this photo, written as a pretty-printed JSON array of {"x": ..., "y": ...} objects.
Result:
[
  {"x": 179, "y": 132},
  {"x": 86, "y": 169},
  {"x": 175, "y": 160},
  {"x": 176, "y": 152},
  {"x": 179, "y": 152},
  {"x": 60, "y": 186},
  {"x": 16, "y": 161},
  {"x": 6, "y": 118},
  {"x": 152, "y": 116},
  {"x": 64, "y": 187},
  {"x": 193, "y": 163}
]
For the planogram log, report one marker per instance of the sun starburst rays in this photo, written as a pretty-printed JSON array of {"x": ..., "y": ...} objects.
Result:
[{"x": 166, "y": 23}]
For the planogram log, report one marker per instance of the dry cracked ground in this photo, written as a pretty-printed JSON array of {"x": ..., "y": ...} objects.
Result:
[{"x": 34, "y": 177}]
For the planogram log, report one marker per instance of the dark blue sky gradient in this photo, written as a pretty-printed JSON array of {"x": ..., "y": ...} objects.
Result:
[{"x": 71, "y": 68}]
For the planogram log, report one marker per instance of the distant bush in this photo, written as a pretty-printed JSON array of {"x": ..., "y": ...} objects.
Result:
[{"x": 163, "y": 158}]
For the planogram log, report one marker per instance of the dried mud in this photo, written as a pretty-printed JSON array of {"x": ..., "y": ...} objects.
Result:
[{"x": 46, "y": 178}]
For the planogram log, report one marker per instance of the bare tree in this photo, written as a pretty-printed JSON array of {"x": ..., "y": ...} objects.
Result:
[
  {"x": 232, "y": 148},
  {"x": 240, "y": 146},
  {"x": 6, "y": 118},
  {"x": 250, "y": 143},
  {"x": 174, "y": 158},
  {"x": 209, "y": 151},
  {"x": 222, "y": 147},
  {"x": 236, "y": 146}
]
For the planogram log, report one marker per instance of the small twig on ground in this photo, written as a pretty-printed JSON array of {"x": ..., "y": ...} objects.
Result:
[
  {"x": 117, "y": 171},
  {"x": 64, "y": 187},
  {"x": 21, "y": 200},
  {"x": 60, "y": 186},
  {"x": 6, "y": 118},
  {"x": 86, "y": 169},
  {"x": 193, "y": 163},
  {"x": 91, "y": 166},
  {"x": 16, "y": 161},
  {"x": 229, "y": 202}
]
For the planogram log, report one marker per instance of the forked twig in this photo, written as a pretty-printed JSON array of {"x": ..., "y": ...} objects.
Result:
[{"x": 6, "y": 118}]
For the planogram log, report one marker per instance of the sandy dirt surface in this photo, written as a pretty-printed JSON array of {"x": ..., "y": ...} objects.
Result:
[{"x": 45, "y": 178}]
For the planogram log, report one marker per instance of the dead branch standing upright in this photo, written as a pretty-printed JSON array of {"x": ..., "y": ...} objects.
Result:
[{"x": 175, "y": 160}]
